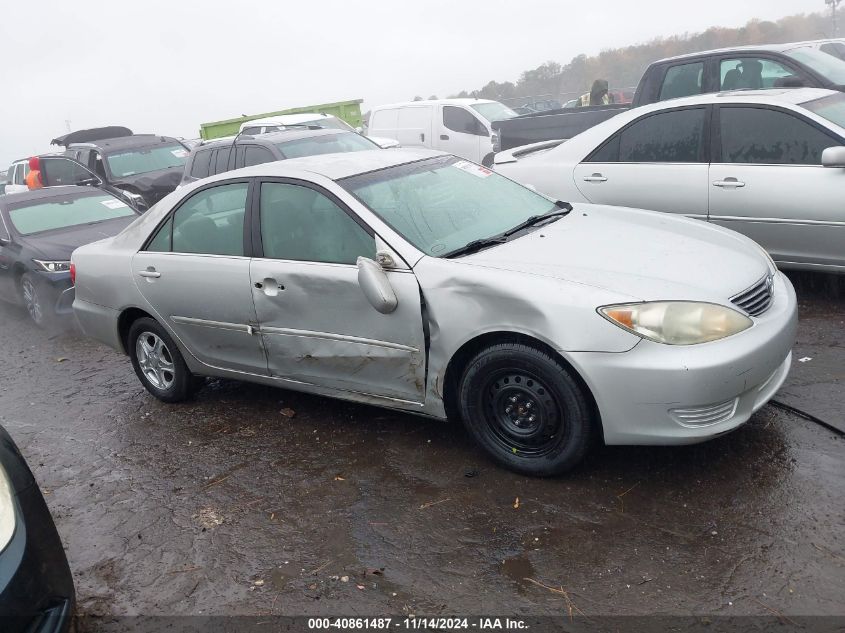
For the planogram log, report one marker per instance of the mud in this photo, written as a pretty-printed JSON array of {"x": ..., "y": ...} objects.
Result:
[{"x": 227, "y": 505}]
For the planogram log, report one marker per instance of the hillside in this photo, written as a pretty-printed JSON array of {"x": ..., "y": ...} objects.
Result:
[{"x": 623, "y": 67}]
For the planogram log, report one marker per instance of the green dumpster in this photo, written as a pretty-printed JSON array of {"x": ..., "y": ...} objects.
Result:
[{"x": 349, "y": 111}]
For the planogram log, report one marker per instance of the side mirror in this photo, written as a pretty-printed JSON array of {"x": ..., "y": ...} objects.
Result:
[
  {"x": 833, "y": 157},
  {"x": 375, "y": 286}
]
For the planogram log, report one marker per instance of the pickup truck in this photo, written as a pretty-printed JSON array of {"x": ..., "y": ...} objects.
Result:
[{"x": 739, "y": 68}]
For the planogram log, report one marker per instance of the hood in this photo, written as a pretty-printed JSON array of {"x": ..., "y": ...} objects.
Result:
[
  {"x": 58, "y": 245},
  {"x": 644, "y": 255},
  {"x": 153, "y": 185}
]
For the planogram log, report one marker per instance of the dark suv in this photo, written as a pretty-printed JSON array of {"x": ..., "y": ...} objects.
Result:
[
  {"x": 214, "y": 157},
  {"x": 145, "y": 166}
]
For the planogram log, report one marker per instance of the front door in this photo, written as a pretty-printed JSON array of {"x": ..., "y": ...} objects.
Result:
[
  {"x": 767, "y": 182},
  {"x": 658, "y": 162},
  {"x": 461, "y": 133},
  {"x": 195, "y": 276},
  {"x": 318, "y": 328}
]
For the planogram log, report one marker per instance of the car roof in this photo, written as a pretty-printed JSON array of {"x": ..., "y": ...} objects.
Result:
[
  {"x": 790, "y": 96},
  {"x": 334, "y": 166},
  {"x": 288, "y": 119},
  {"x": 126, "y": 142},
  {"x": 457, "y": 101},
  {"x": 48, "y": 192},
  {"x": 270, "y": 138},
  {"x": 763, "y": 48}
]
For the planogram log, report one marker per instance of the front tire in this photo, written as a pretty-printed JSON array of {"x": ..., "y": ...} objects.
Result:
[
  {"x": 525, "y": 410},
  {"x": 33, "y": 300},
  {"x": 157, "y": 361}
]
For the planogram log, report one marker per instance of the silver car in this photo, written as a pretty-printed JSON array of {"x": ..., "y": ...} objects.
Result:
[
  {"x": 767, "y": 163},
  {"x": 417, "y": 281}
]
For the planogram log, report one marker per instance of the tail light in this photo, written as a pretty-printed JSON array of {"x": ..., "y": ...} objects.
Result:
[{"x": 73, "y": 273}]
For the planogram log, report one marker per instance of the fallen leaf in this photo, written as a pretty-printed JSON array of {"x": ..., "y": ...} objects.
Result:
[
  {"x": 288, "y": 413},
  {"x": 361, "y": 587},
  {"x": 344, "y": 579},
  {"x": 339, "y": 478},
  {"x": 258, "y": 583},
  {"x": 516, "y": 504},
  {"x": 61, "y": 359}
]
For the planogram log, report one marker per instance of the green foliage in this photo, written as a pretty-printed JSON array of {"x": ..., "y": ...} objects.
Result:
[{"x": 623, "y": 67}]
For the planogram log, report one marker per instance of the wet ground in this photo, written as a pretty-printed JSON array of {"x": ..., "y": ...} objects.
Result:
[{"x": 252, "y": 500}]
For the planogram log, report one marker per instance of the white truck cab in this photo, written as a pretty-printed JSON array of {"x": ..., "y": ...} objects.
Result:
[
  {"x": 458, "y": 126},
  {"x": 16, "y": 176}
]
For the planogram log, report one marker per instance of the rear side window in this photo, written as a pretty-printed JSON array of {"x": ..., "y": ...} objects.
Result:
[
  {"x": 199, "y": 168},
  {"x": 676, "y": 136},
  {"x": 221, "y": 160},
  {"x": 682, "y": 81},
  {"x": 256, "y": 155},
  {"x": 770, "y": 137},
  {"x": 210, "y": 222}
]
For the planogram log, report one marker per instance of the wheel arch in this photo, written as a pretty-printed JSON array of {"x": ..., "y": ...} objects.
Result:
[
  {"x": 461, "y": 358},
  {"x": 124, "y": 323}
]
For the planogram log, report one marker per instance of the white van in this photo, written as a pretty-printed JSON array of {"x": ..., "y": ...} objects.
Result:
[{"x": 458, "y": 126}]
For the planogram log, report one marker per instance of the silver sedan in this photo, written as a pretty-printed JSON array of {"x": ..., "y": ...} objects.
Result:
[{"x": 414, "y": 280}]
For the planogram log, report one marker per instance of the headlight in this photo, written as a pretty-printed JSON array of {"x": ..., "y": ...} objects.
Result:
[
  {"x": 53, "y": 267},
  {"x": 7, "y": 510},
  {"x": 677, "y": 322}
]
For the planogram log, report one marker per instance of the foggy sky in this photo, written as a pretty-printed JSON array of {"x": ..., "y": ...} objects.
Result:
[{"x": 165, "y": 66}]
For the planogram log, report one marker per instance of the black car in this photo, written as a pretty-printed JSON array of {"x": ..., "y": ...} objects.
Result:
[
  {"x": 38, "y": 232},
  {"x": 145, "y": 166},
  {"x": 59, "y": 171},
  {"x": 36, "y": 586},
  {"x": 215, "y": 157}
]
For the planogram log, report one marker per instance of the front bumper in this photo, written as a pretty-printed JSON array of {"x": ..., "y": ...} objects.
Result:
[
  {"x": 664, "y": 394},
  {"x": 36, "y": 586}
]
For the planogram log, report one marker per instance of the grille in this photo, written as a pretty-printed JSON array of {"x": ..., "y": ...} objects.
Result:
[
  {"x": 705, "y": 416},
  {"x": 758, "y": 298}
]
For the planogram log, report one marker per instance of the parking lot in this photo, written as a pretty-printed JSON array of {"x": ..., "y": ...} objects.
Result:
[{"x": 253, "y": 500}]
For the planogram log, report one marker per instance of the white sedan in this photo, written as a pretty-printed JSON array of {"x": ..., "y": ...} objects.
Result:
[
  {"x": 414, "y": 280},
  {"x": 769, "y": 164}
]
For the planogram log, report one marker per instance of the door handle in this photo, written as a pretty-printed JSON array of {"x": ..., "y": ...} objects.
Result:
[
  {"x": 422, "y": 137},
  {"x": 444, "y": 137},
  {"x": 729, "y": 183},
  {"x": 150, "y": 273},
  {"x": 597, "y": 177}
]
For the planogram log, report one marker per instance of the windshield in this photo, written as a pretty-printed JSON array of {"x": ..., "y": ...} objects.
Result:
[
  {"x": 441, "y": 204},
  {"x": 331, "y": 123},
  {"x": 67, "y": 211},
  {"x": 494, "y": 111},
  {"x": 325, "y": 144},
  {"x": 827, "y": 66},
  {"x": 146, "y": 159},
  {"x": 831, "y": 108}
]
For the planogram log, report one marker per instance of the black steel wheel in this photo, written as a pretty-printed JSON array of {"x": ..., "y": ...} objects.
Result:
[{"x": 525, "y": 409}]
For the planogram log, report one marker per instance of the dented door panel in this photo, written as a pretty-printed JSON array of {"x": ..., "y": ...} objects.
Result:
[{"x": 318, "y": 328}]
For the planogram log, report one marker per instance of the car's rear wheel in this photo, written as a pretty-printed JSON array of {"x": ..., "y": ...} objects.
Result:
[
  {"x": 32, "y": 300},
  {"x": 157, "y": 361},
  {"x": 525, "y": 409}
]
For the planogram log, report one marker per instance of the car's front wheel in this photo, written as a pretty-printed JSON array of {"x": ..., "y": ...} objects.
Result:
[
  {"x": 33, "y": 301},
  {"x": 525, "y": 409},
  {"x": 158, "y": 362}
]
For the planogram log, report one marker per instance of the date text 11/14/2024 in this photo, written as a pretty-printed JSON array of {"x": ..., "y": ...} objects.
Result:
[{"x": 418, "y": 623}]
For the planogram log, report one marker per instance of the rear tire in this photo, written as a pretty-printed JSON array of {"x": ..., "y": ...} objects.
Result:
[
  {"x": 525, "y": 410},
  {"x": 157, "y": 361}
]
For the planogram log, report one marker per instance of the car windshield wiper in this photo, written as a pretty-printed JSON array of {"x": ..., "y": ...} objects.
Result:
[
  {"x": 476, "y": 245},
  {"x": 536, "y": 219}
]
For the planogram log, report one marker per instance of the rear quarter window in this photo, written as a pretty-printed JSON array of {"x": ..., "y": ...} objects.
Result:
[{"x": 199, "y": 167}]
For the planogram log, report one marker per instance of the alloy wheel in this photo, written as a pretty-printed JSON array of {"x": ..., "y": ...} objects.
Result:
[
  {"x": 31, "y": 301},
  {"x": 155, "y": 360}
]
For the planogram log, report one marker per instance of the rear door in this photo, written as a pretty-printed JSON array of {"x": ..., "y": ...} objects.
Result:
[
  {"x": 657, "y": 162},
  {"x": 460, "y": 133},
  {"x": 414, "y": 126},
  {"x": 195, "y": 275},
  {"x": 767, "y": 182},
  {"x": 318, "y": 328}
]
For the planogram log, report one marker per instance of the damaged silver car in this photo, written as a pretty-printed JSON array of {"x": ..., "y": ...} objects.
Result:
[{"x": 414, "y": 280}]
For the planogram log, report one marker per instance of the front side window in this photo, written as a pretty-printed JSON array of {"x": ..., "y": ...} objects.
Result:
[
  {"x": 753, "y": 73},
  {"x": 770, "y": 137},
  {"x": 325, "y": 144},
  {"x": 459, "y": 120},
  {"x": 64, "y": 171},
  {"x": 676, "y": 136},
  {"x": 210, "y": 222},
  {"x": 831, "y": 108},
  {"x": 67, "y": 211},
  {"x": 257, "y": 155},
  {"x": 146, "y": 159},
  {"x": 443, "y": 203},
  {"x": 682, "y": 81},
  {"x": 830, "y": 67},
  {"x": 301, "y": 224}
]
